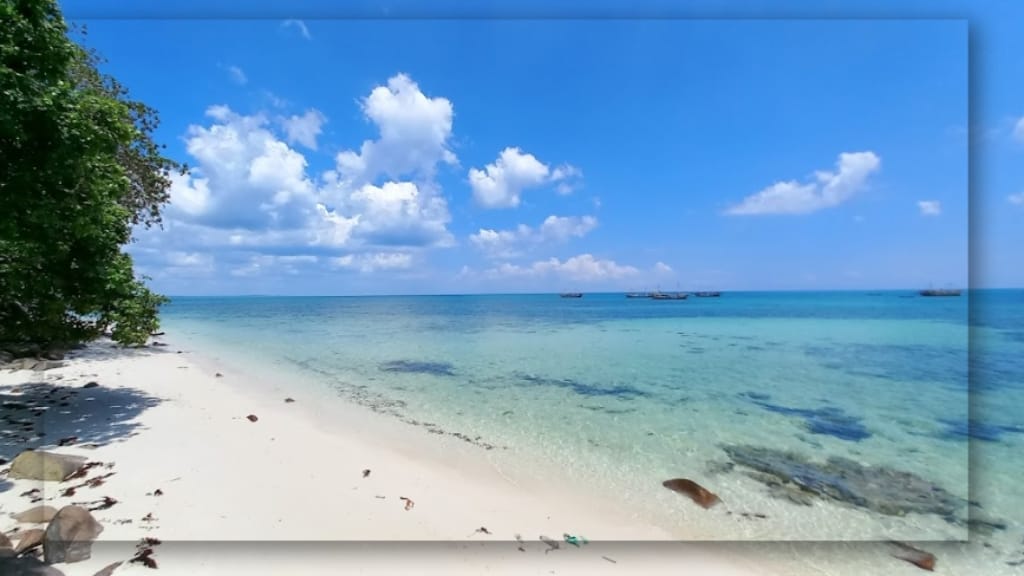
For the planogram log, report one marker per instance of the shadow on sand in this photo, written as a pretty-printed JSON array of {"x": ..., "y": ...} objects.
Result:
[{"x": 40, "y": 415}]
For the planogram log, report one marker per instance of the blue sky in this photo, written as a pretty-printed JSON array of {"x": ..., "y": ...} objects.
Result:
[{"x": 354, "y": 156}]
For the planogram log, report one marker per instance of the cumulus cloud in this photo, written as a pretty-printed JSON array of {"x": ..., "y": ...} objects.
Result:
[
  {"x": 250, "y": 191},
  {"x": 304, "y": 129},
  {"x": 826, "y": 190},
  {"x": 512, "y": 243},
  {"x": 501, "y": 183},
  {"x": 584, "y": 267},
  {"x": 1017, "y": 199},
  {"x": 299, "y": 26},
  {"x": 414, "y": 134},
  {"x": 244, "y": 175},
  {"x": 260, "y": 264},
  {"x": 929, "y": 207},
  {"x": 662, "y": 268}
]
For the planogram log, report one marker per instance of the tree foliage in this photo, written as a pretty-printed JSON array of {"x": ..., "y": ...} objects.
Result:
[{"x": 78, "y": 169}]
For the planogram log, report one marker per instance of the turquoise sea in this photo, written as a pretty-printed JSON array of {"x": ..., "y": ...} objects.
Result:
[{"x": 917, "y": 401}]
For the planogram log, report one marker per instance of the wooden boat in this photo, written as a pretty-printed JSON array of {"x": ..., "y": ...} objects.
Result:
[{"x": 571, "y": 295}]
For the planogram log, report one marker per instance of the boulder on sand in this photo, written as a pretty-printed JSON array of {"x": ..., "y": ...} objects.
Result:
[
  {"x": 70, "y": 535},
  {"x": 699, "y": 494},
  {"x": 28, "y": 539},
  {"x": 36, "y": 515},
  {"x": 46, "y": 466},
  {"x": 6, "y": 548}
]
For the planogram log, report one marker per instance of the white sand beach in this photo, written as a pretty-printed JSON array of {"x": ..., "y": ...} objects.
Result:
[{"x": 277, "y": 495}]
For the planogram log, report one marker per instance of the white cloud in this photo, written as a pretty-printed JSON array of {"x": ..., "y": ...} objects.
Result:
[
  {"x": 512, "y": 243},
  {"x": 250, "y": 191},
  {"x": 584, "y": 267},
  {"x": 828, "y": 189},
  {"x": 304, "y": 129},
  {"x": 1018, "y": 129},
  {"x": 299, "y": 25},
  {"x": 1017, "y": 199},
  {"x": 237, "y": 75},
  {"x": 662, "y": 268},
  {"x": 501, "y": 183},
  {"x": 414, "y": 134},
  {"x": 929, "y": 207},
  {"x": 372, "y": 262},
  {"x": 265, "y": 263}
]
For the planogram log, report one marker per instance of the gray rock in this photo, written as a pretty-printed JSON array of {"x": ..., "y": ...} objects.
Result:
[
  {"x": 26, "y": 566},
  {"x": 22, "y": 364},
  {"x": 70, "y": 535},
  {"x": 36, "y": 515},
  {"x": 43, "y": 365},
  {"x": 46, "y": 466}
]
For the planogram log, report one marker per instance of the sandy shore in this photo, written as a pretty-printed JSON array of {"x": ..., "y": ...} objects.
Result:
[{"x": 276, "y": 495}]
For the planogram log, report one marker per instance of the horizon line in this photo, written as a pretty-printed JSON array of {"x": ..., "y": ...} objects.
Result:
[{"x": 555, "y": 293}]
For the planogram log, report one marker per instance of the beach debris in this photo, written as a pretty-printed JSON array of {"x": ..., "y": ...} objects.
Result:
[
  {"x": 46, "y": 466},
  {"x": 609, "y": 559},
  {"x": 251, "y": 418},
  {"x": 702, "y": 496},
  {"x": 752, "y": 515},
  {"x": 366, "y": 473},
  {"x": 576, "y": 541},
  {"x": 149, "y": 518},
  {"x": 32, "y": 495},
  {"x": 91, "y": 385},
  {"x": 83, "y": 470},
  {"x": 289, "y": 400},
  {"x": 481, "y": 530},
  {"x": 218, "y": 375},
  {"x": 519, "y": 540},
  {"x": 29, "y": 539},
  {"x": 67, "y": 441},
  {"x": 69, "y": 535},
  {"x": 157, "y": 492},
  {"x": 917, "y": 557},
  {"x": 108, "y": 570},
  {"x": 103, "y": 504},
  {"x": 552, "y": 544},
  {"x": 408, "y": 502},
  {"x": 144, "y": 553},
  {"x": 37, "y": 515},
  {"x": 880, "y": 489}
]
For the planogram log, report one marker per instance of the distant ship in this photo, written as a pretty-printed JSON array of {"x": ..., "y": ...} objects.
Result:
[
  {"x": 638, "y": 295},
  {"x": 940, "y": 292},
  {"x": 669, "y": 296},
  {"x": 571, "y": 295},
  {"x": 707, "y": 294}
]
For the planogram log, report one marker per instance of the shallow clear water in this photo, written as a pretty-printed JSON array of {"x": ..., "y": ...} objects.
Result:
[{"x": 616, "y": 395}]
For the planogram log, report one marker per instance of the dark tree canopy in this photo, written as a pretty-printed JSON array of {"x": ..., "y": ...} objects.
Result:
[{"x": 78, "y": 169}]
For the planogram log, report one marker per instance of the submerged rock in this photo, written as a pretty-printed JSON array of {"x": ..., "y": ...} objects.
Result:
[
  {"x": 47, "y": 466},
  {"x": 69, "y": 535},
  {"x": 877, "y": 488}
]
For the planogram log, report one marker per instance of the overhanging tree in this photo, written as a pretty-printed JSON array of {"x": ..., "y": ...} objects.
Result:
[{"x": 78, "y": 168}]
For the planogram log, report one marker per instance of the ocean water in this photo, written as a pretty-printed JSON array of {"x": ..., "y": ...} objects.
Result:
[{"x": 917, "y": 401}]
